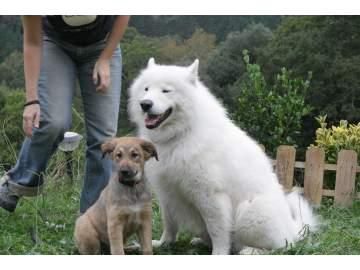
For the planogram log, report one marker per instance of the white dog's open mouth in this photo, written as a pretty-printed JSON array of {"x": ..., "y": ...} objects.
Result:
[{"x": 154, "y": 120}]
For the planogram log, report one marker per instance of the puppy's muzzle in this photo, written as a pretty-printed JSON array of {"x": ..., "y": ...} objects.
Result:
[
  {"x": 146, "y": 105},
  {"x": 127, "y": 173},
  {"x": 128, "y": 176}
]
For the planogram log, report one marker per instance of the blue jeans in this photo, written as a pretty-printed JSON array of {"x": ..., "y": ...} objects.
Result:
[{"x": 61, "y": 65}]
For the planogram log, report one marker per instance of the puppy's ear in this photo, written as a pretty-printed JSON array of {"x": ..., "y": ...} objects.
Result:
[
  {"x": 151, "y": 62},
  {"x": 149, "y": 150},
  {"x": 193, "y": 71},
  {"x": 107, "y": 147}
]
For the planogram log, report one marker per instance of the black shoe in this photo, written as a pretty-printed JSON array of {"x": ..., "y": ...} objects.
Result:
[{"x": 8, "y": 200}]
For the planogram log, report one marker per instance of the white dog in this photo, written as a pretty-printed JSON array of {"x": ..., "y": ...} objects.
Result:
[{"x": 212, "y": 179}]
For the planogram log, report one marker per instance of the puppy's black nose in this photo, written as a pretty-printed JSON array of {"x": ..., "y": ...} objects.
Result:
[
  {"x": 126, "y": 172},
  {"x": 146, "y": 105}
]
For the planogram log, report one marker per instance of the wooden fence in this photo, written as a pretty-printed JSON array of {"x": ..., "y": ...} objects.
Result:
[{"x": 314, "y": 167}]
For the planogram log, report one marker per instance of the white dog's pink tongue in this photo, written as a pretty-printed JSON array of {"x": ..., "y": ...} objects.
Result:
[{"x": 152, "y": 120}]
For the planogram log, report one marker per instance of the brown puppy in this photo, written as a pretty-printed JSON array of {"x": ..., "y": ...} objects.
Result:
[{"x": 124, "y": 206}]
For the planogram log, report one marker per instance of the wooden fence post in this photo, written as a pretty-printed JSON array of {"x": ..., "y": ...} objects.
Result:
[
  {"x": 314, "y": 174},
  {"x": 345, "y": 177},
  {"x": 285, "y": 163}
]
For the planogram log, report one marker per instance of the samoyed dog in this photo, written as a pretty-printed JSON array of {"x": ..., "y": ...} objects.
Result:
[{"x": 212, "y": 179}]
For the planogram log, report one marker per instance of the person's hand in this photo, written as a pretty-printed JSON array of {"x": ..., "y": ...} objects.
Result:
[
  {"x": 101, "y": 75},
  {"x": 31, "y": 118}
]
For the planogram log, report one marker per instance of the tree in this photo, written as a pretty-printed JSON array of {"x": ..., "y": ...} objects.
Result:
[
  {"x": 10, "y": 33},
  {"x": 136, "y": 51},
  {"x": 12, "y": 70},
  {"x": 175, "y": 51},
  {"x": 329, "y": 46},
  {"x": 226, "y": 66},
  {"x": 184, "y": 26}
]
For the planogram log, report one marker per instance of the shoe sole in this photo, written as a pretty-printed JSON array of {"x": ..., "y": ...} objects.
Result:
[{"x": 10, "y": 207}]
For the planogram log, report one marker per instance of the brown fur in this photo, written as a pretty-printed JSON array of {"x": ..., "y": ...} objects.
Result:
[{"x": 124, "y": 206}]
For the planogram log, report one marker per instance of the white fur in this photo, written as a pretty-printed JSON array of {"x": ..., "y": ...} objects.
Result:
[{"x": 211, "y": 179}]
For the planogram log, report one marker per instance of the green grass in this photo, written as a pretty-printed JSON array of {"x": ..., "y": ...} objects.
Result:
[
  {"x": 339, "y": 233},
  {"x": 44, "y": 225}
]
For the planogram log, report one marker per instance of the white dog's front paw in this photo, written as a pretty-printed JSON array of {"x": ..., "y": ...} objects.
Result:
[
  {"x": 197, "y": 241},
  {"x": 252, "y": 251},
  {"x": 157, "y": 243}
]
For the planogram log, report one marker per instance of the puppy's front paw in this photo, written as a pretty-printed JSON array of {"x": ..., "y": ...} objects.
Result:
[{"x": 134, "y": 246}]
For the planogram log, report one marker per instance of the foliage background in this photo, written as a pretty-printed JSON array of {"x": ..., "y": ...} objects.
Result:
[
  {"x": 274, "y": 84},
  {"x": 326, "y": 46}
]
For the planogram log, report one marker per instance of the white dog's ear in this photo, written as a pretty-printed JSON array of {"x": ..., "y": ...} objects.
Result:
[
  {"x": 193, "y": 68},
  {"x": 151, "y": 62}
]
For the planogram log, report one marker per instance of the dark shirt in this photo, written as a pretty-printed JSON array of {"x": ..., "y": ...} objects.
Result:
[{"x": 78, "y": 30}]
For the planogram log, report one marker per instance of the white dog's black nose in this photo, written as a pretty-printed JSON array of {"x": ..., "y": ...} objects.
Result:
[{"x": 146, "y": 105}]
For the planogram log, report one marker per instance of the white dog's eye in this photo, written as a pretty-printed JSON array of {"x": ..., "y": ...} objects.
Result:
[
  {"x": 166, "y": 91},
  {"x": 146, "y": 89}
]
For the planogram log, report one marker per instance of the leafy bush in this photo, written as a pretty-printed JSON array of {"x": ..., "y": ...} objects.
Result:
[
  {"x": 332, "y": 140},
  {"x": 11, "y": 134},
  {"x": 271, "y": 113},
  {"x": 12, "y": 70}
]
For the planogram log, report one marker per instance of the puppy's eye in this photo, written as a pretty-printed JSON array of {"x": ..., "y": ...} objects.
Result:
[
  {"x": 166, "y": 91},
  {"x": 119, "y": 155},
  {"x": 134, "y": 155},
  {"x": 146, "y": 89}
]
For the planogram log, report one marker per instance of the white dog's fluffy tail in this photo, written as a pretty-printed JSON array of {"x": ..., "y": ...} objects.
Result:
[{"x": 302, "y": 214}]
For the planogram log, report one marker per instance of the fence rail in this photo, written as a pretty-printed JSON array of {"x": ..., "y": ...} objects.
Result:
[{"x": 314, "y": 168}]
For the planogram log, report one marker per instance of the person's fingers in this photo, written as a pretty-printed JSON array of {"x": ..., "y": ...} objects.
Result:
[
  {"x": 95, "y": 75},
  {"x": 24, "y": 128},
  {"x": 31, "y": 118},
  {"x": 100, "y": 85},
  {"x": 104, "y": 82},
  {"x": 100, "y": 80},
  {"x": 107, "y": 81},
  {"x": 37, "y": 119},
  {"x": 27, "y": 126},
  {"x": 102, "y": 70},
  {"x": 101, "y": 88}
]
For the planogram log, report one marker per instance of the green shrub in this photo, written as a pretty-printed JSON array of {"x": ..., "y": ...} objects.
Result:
[
  {"x": 11, "y": 133},
  {"x": 332, "y": 140},
  {"x": 12, "y": 70},
  {"x": 271, "y": 114}
]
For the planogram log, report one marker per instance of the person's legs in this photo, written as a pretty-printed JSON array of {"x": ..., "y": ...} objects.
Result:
[
  {"x": 101, "y": 117},
  {"x": 56, "y": 88}
]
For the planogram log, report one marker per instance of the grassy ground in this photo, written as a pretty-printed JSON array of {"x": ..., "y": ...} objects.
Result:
[{"x": 44, "y": 225}]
